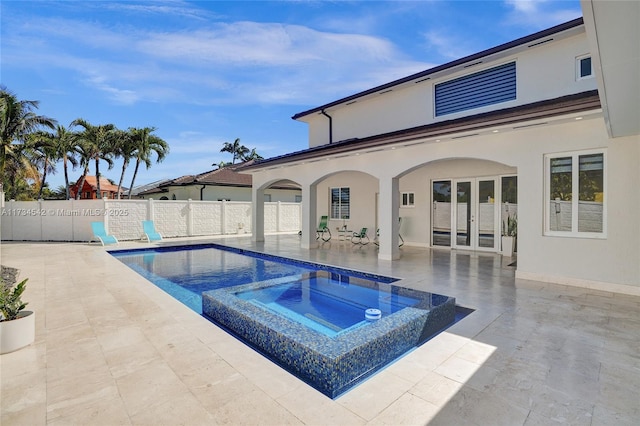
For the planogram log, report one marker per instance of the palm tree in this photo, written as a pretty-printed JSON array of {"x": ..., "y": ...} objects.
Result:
[
  {"x": 85, "y": 155},
  {"x": 19, "y": 169},
  {"x": 236, "y": 149},
  {"x": 146, "y": 144},
  {"x": 46, "y": 154},
  {"x": 61, "y": 145},
  {"x": 125, "y": 149},
  {"x": 17, "y": 121},
  {"x": 253, "y": 155},
  {"x": 101, "y": 140},
  {"x": 68, "y": 148}
]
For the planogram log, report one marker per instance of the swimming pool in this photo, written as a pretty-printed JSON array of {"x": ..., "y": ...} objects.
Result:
[
  {"x": 186, "y": 272},
  {"x": 310, "y": 319}
]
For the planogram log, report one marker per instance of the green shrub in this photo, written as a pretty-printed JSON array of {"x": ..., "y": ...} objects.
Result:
[{"x": 10, "y": 302}]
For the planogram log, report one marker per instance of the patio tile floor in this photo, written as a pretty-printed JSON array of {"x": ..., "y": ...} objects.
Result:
[{"x": 111, "y": 348}]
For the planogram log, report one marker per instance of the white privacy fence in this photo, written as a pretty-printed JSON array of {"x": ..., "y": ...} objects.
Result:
[{"x": 70, "y": 220}]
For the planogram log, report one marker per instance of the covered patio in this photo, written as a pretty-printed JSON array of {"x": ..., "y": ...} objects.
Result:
[{"x": 111, "y": 348}]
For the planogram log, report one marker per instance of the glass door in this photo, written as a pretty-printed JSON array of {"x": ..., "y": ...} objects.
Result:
[
  {"x": 488, "y": 232},
  {"x": 465, "y": 214},
  {"x": 441, "y": 214}
]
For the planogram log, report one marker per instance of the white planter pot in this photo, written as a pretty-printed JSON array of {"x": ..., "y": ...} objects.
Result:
[
  {"x": 17, "y": 333},
  {"x": 508, "y": 245}
]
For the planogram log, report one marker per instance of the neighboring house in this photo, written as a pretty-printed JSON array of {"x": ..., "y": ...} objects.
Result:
[
  {"x": 144, "y": 188},
  {"x": 90, "y": 189},
  {"x": 543, "y": 129},
  {"x": 217, "y": 185}
]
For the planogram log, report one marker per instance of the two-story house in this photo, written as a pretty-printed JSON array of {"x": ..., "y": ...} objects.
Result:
[
  {"x": 89, "y": 190},
  {"x": 543, "y": 130}
]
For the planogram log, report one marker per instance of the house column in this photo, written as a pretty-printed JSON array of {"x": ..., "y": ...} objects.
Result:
[
  {"x": 309, "y": 219},
  {"x": 388, "y": 205},
  {"x": 257, "y": 218}
]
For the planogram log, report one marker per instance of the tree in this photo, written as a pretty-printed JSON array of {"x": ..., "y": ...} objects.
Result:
[
  {"x": 236, "y": 149},
  {"x": 61, "y": 145},
  {"x": 19, "y": 170},
  {"x": 146, "y": 144},
  {"x": 125, "y": 149},
  {"x": 17, "y": 121},
  {"x": 68, "y": 148},
  {"x": 46, "y": 154},
  {"x": 253, "y": 155},
  {"x": 85, "y": 154},
  {"x": 101, "y": 140}
]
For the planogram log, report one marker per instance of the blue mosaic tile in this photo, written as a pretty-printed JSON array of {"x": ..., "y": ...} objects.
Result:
[{"x": 332, "y": 365}]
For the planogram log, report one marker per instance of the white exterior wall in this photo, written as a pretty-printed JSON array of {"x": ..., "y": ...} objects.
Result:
[
  {"x": 613, "y": 260},
  {"x": 363, "y": 189},
  {"x": 544, "y": 72}
]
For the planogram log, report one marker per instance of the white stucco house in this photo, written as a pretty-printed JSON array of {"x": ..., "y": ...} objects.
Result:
[
  {"x": 544, "y": 128},
  {"x": 225, "y": 183}
]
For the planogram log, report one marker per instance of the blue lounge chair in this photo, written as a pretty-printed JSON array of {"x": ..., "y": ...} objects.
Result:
[
  {"x": 150, "y": 233},
  {"x": 360, "y": 237},
  {"x": 323, "y": 230},
  {"x": 100, "y": 234}
]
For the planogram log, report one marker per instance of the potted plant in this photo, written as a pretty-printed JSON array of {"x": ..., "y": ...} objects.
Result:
[
  {"x": 17, "y": 327},
  {"x": 509, "y": 234}
]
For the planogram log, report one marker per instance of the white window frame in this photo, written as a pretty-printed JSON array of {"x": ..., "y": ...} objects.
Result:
[
  {"x": 339, "y": 188},
  {"x": 579, "y": 67},
  {"x": 410, "y": 197},
  {"x": 575, "y": 164}
]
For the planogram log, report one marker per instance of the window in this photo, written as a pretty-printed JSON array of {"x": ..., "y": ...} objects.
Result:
[
  {"x": 408, "y": 199},
  {"x": 340, "y": 203},
  {"x": 575, "y": 188},
  {"x": 267, "y": 198},
  {"x": 487, "y": 87},
  {"x": 298, "y": 198},
  {"x": 583, "y": 67}
]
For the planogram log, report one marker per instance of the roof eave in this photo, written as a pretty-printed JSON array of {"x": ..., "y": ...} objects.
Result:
[
  {"x": 471, "y": 58},
  {"x": 579, "y": 102}
]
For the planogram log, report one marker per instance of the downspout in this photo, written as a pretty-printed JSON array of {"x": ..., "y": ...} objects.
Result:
[
  {"x": 330, "y": 125},
  {"x": 202, "y": 192}
]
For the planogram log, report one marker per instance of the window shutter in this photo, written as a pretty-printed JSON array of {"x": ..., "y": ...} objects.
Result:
[{"x": 487, "y": 87}]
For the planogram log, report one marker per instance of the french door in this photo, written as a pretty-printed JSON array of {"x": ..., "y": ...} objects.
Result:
[{"x": 466, "y": 214}]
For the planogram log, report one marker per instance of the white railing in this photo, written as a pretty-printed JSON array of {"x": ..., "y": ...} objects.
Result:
[{"x": 70, "y": 220}]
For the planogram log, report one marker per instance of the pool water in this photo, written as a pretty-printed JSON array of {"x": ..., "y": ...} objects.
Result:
[
  {"x": 330, "y": 306},
  {"x": 185, "y": 272}
]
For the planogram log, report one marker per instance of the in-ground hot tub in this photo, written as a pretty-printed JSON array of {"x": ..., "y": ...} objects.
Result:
[{"x": 314, "y": 324}]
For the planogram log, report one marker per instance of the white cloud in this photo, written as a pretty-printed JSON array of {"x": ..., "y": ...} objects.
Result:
[
  {"x": 231, "y": 63},
  {"x": 539, "y": 14},
  {"x": 447, "y": 45}
]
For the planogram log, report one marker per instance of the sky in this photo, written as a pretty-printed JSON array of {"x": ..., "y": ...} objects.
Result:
[{"x": 207, "y": 72}]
